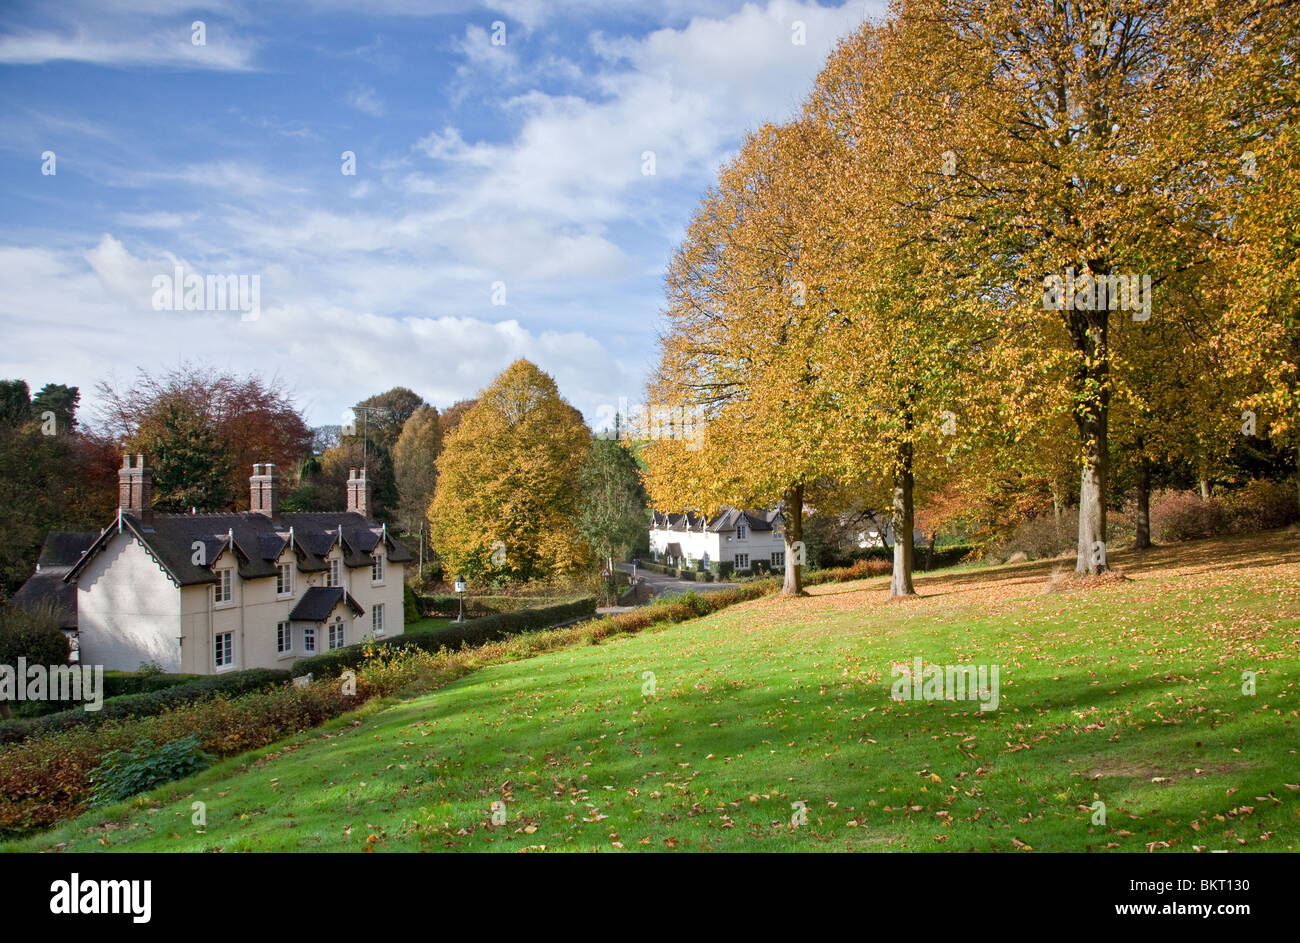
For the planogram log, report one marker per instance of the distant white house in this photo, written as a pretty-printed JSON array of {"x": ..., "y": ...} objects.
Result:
[
  {"x": 742, "y": 538},
  {"x": 207, "y": 593}
]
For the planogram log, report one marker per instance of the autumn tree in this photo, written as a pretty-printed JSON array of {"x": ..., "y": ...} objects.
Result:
[
  {"x": 507, "y": 497},
  {"x": 415, "y": 457},
  {"x": 905, "y": 356},
  {"x": 252, "y": 419},
  {"x": 742, "y": 415},
  {"x": 1089, "y": 143}
]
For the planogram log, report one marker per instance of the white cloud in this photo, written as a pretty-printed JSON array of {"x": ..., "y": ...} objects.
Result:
[
  {"x": 171, "y": 48},
  {"x": 332, "y": 352},
  {"x": 364, "y": 99}
]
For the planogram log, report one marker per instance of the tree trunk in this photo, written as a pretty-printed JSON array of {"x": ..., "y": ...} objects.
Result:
[
  {"x": 794, "y": 548},
  {"x": 1205, "y": 490},
  {"x": 1091, "y": 415},
  {"x": 929, "y": 552},
  {"x": 5, "y": 711},
  {"x": 901, "y": 584},
  {"x": 1142, "y": 539}
]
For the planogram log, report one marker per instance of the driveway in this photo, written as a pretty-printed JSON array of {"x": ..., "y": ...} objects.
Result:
[{"x": 658, "y": 584}]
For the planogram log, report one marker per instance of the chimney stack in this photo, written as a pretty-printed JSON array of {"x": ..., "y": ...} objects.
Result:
[
  {"x": 264, "y": 491},
  {"x": 135, "y": 488},
  {"x": 358, "y": 493}
]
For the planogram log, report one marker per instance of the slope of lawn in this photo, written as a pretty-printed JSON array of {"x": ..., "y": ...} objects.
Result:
[{"x": 1128, "y": 693}]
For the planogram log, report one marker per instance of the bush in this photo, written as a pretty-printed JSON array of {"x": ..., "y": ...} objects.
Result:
[
  {"x": 147, "y": 703},
  {"x": 1185, "y": 515},
  {"x": 125, "y": 773},
  {"x": 474, "y": 632},
  {"x": 410, "y": 605},
  {"x": 858, "y": 570},
  {"x": 1261, "y": 505},
  {"x": 48, "y": 779}
]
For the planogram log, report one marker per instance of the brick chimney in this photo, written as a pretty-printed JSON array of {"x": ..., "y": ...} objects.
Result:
[
  {"x": 135, "y": 488},
  {"x": 358, "y": 493},
  {"x": 264, "y": 491}
]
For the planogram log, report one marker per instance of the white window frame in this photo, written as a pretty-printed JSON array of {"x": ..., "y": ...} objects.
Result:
[
  {"x": 309, "y": 638},
  {"x": 742, "y": 532},
  {"x": 335, "y": 575},
  {"x": 226, "y": 651},
  {"x": 742, "y": 561},
  {"x": 377, "y": 568},
  {"x": 284, "y": 638},
  {"x": 778, "y": 558},
  {"x": 223, "y": 594},
  {"x": 284, "y": 581},
  {"x": 341, "y": 627},
  {"x": 377, "y": 618}
]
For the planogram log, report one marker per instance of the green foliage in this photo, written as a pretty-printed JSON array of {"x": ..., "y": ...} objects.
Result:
[
  {"x": 32, "y": 634},
  {"x": 191, "y": 468},
  {"x": 125, "y": 773},
  {"x": 612, "y": 517},
  {"x": 58, "y": 399},
  {"x": 148, "y": 702},
  {"x": 473, "y": 632},
  {"x": 410, "y": 605}
]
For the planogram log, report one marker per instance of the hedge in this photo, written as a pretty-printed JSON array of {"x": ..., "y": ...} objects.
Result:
[
  {"x": 473, "y": 632},
  {"x": 146, "y": 703}
]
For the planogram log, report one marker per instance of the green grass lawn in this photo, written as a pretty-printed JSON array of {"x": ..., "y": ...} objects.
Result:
[
  {"x": 1127, "y": 693},
  {"x": 426, "y": 625}
]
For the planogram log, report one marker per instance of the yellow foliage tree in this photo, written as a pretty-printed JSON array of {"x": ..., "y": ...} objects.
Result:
[{"x": 507, "y": 495}]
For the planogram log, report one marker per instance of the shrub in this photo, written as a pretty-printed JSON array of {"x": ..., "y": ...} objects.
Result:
[
  {"x": 474, "y": 632},
  {"x": 410, "y": 605},
  {"x": 146, "y": 703},
  {"x": 33, "y": 634},
  {"x": 47, "y": 779},
  {"x": 125, "y": 773},
  {"x": 1185, "y": 515},
  {"x": 1261, "y": 505}
]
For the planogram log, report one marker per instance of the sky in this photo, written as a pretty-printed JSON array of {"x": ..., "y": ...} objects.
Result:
[{"x": 501, "y": 204}]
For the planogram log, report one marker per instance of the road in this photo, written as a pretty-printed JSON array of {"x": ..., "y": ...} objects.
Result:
[{"x": 658, "y": 584}]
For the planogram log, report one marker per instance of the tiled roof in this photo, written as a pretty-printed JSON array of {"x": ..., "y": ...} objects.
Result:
[
  {"x": 48, "y": 586},
  {"x": 257, "y": 542},
  {"x": 65, "y": 547},
  {"x": 319, "y": 601}
]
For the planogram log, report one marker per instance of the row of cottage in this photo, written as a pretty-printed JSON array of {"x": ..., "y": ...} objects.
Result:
[
  {"x": 206, "y": 593},
  {"x": 744, "y": 539}
]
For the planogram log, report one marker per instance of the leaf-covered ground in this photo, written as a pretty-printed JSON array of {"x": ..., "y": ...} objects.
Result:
[{"x": 1128, "y": 693}]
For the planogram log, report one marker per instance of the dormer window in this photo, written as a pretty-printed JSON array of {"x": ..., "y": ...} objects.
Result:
[
  {"x": 376, "y": 567},
  {"x": 222, "y": 593},
  {"x": 284, "y": 580},
  {"x": 742, "y": 531},
  {"x": 333, "y": 578}
]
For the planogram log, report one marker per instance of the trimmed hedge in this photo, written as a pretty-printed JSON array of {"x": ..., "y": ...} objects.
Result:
[
  {"x": 473, "y": 632},
  {"x": 146, "y": 703}
]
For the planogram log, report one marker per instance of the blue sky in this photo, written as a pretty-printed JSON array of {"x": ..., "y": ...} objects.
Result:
[{"x": 476, "y": 163}]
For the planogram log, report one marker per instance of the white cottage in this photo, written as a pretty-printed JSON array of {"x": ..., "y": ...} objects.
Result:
[
  {"x": 742, "y": 538},
  {"x": 206, "y": 593}
]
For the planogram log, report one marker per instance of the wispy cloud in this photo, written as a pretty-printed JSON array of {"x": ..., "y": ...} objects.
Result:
[{"x": 172, "y": 48}]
